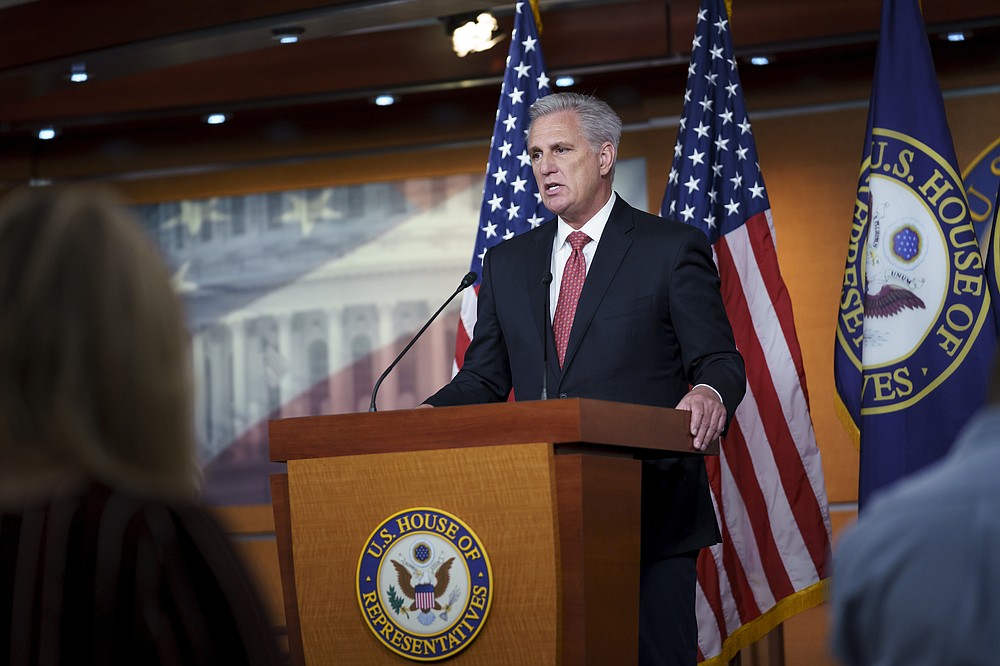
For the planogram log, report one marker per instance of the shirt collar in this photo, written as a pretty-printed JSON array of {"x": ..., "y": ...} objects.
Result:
[{"x": 593, "y": 227}]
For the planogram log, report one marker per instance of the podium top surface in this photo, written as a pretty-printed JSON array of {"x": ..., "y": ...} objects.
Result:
[{"x": 573, "y": 423}]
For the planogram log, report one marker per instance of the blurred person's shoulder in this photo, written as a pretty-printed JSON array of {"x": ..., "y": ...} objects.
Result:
[{"x": 916, "y": 569}]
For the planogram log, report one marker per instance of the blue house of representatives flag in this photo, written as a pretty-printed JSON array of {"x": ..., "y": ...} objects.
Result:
[{"x": 915, "y": 332}]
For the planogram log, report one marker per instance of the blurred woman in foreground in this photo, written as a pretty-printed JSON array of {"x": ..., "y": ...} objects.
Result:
[{"x": 104, "y": 555}]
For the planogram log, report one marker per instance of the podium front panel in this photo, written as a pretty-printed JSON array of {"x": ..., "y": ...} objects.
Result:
[{"x": 506, "y": 495}]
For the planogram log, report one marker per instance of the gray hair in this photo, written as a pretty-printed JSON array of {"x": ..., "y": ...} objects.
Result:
[{"x": 598, "y": 121}]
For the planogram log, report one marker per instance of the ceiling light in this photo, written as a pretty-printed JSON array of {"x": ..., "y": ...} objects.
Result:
[
  {"x": 78, "y": 72},
  {"x": 760, "y": 60},
  {"x": 216, "y": 118},
  {"x": 565, "y": 81},
  {"x": 384, "y": 100},
  {"x": 956, "y": 36},
  {"x": 47, "y": 133},
  {"x": 470, "y": 35},
  {"x": 287, "y": 35}
]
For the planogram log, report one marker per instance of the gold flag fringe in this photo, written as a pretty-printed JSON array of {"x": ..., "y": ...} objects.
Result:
[
  {"x": 848, "y": 422},
  {"x": 538, "y": 16},
  {"x": 753, "y": 631}
]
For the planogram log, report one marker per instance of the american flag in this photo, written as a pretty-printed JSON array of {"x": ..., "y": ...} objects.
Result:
[
  {"x": 767, "y": 484},
  {"x": 511, "y": 203}
]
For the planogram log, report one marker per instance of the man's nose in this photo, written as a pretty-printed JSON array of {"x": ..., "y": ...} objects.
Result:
[{"x": 545, "y": 164}]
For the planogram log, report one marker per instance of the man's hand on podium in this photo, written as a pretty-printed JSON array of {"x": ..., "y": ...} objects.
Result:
[{"x": 708, "y": 415}]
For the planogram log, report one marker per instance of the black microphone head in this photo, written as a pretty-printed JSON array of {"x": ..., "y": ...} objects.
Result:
[
  {"x": 547, "y": 279},
  {"x": 469, "y": 279}
]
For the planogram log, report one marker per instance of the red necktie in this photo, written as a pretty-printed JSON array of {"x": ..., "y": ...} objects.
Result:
[{"x": 569, "y": 292}]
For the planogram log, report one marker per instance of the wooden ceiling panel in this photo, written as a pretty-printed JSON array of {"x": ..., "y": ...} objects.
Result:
[{"x": 158, "y": 66}]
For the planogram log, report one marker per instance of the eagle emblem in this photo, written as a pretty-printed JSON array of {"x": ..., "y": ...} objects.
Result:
[
  {"x": 892, "y": 281},
  {"x": 425, "y": 585},
  {"x": 890, "y": 300},
  {"x": 424, "y": 588}
]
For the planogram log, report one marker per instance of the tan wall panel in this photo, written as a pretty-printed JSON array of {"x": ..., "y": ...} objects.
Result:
[
  {"x": 321, "y": 173},
  {"x": 810, "y": 164},
  {"x": 251, "y": 528}
]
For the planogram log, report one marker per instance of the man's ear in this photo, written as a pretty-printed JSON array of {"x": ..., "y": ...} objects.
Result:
[{"x": 606, "y": 157}]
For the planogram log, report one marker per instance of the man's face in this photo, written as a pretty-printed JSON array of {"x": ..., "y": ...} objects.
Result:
[{"x": 573, "y": 180}]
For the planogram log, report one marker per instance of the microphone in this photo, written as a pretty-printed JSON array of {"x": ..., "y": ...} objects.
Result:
[
  {"x": 469, "y": 278},
  {"x": 546, "y": 281}
]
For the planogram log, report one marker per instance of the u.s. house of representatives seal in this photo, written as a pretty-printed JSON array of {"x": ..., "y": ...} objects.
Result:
[
  {"x": 914, "y": 295},
  {"x": 424, "y": 584}
]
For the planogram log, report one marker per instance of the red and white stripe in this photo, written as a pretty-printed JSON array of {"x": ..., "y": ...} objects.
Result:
[{"x": 767, "y": 484}]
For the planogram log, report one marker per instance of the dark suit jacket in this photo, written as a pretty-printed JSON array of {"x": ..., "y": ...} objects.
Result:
[{"x": 650, "y": 324}]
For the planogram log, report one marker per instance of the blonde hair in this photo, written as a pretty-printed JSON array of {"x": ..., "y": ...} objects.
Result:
[{"x": 95, "y": 370}]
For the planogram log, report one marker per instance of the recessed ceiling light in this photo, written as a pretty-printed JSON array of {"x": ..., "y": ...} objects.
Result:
[
  {"x": 565, "y": 81},
  {"x": 78, "y": 72},
  {"x": 287, "y": 35},
  {"x": 760, "y": 60},
  {"x": 385, "y": 100},
  {"x": 957, "y": 36},
  {"x": 216, "y": 118},
  {"x": 47, "y": 133}
]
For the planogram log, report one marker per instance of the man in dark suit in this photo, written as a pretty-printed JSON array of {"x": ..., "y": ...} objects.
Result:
[{"x": 648, "y": 326}]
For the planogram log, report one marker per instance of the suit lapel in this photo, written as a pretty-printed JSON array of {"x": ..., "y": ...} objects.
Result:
[
  {"x": 611, "y": 251},
  {"x": 538, "y": 263}
]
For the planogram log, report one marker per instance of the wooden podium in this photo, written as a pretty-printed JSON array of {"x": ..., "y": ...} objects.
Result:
[{"x": 551, "y": 488}]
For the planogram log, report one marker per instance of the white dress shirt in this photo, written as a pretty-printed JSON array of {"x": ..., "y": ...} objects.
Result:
[{"x": 561, "y": 250}]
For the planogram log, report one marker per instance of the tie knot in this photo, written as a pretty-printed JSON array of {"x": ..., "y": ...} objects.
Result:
[{"x": 577, "y": 240}]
